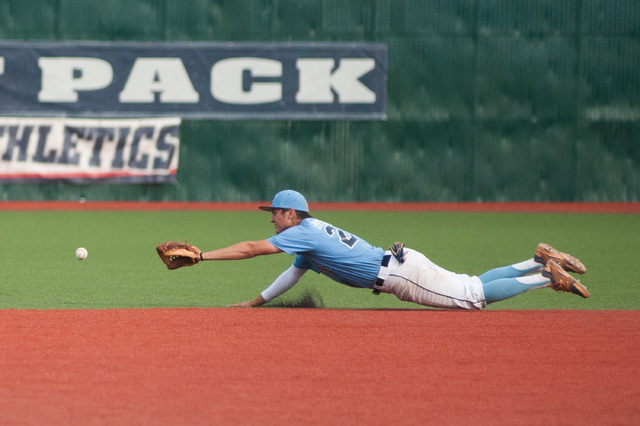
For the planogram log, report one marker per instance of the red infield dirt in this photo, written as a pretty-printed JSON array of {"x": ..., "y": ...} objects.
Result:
[{"x": 271, "y": 366}]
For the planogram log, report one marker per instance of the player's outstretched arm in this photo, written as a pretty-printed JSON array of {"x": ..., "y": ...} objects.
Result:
[
  {"x": 283, "y": 283},
  {"x": 243, "y": 250}
]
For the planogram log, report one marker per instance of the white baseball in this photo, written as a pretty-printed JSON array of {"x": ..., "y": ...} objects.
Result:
[{"x": 81, "y": 253}]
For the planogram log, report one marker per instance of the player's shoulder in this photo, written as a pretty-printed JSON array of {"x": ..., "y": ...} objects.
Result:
[
  {"x": 315, "y": 223},
  {"x": 304, "y": 229}
]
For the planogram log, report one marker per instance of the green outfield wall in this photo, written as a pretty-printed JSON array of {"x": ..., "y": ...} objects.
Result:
[{"x": 488, "y": 100}]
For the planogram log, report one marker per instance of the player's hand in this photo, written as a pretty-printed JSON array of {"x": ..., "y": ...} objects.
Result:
[
  {"x": 241, "y": 305},
  {"x": 258, "y": 301}
]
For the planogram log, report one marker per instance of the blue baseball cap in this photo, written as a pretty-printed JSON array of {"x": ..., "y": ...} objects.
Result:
[{"x": 288, "y": 199}]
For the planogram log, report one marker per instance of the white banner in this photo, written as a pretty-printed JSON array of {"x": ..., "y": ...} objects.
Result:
[{"x": 89, "y": 150}]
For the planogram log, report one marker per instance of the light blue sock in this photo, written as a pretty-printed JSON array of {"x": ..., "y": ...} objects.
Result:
[
  {"x": 505, "y": 288},
  {"x": 512, "y": 271}
]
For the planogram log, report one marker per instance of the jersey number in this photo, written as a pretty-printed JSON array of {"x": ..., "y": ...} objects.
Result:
[{"x": 346, "y": 239}]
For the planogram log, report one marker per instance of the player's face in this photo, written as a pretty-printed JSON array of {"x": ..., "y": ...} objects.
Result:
[{"x": 283, "y": 219}]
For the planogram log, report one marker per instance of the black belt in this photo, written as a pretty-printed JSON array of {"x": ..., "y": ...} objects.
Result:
[{"x": 379, "y": 281}]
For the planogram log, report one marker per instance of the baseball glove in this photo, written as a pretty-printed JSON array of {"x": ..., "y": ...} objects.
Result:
[{"x": 175, "y": 254}]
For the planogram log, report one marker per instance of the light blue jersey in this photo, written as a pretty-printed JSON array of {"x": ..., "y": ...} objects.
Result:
[{"x": 330, "y": 251}]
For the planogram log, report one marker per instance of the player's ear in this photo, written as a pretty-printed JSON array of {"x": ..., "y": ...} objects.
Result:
[{"x": 292, "y": 215}]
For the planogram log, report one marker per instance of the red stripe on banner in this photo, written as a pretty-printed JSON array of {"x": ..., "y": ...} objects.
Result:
[
  {"x": 79, "y": 175},
  {"x": 490, "y": 207}
]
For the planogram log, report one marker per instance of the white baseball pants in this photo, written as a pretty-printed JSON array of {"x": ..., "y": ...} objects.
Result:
[{"x": 421, "y": 281}]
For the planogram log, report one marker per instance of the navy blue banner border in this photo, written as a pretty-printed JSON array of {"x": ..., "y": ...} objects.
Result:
[{"x": 21, "y": 80}]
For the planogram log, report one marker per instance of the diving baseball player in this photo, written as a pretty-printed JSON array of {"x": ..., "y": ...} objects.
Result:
[{"x": 406, "y": 273}]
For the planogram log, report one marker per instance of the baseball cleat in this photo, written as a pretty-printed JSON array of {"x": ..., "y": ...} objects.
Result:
[
  {"x": 561, "y": 281},
  {"x": 545, "y": 252}
]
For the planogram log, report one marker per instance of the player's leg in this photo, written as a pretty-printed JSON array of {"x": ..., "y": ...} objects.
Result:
[
  {"x": 509, "y": 281},
  {"x": 552, "y": 275},
  {"x": 421, "y": 281},
  {"x": 505, "y": 288},
  {"x": 512, "y": 271},
  {"x": 544, "y": 253}
]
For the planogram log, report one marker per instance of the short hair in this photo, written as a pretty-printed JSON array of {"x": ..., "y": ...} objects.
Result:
[
  {"x": 302, "y": 215},
  {"x": 299, "y": 214}
]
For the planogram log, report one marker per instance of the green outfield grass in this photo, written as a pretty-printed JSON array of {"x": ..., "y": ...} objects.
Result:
[{"x": 123, "y": 271}]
